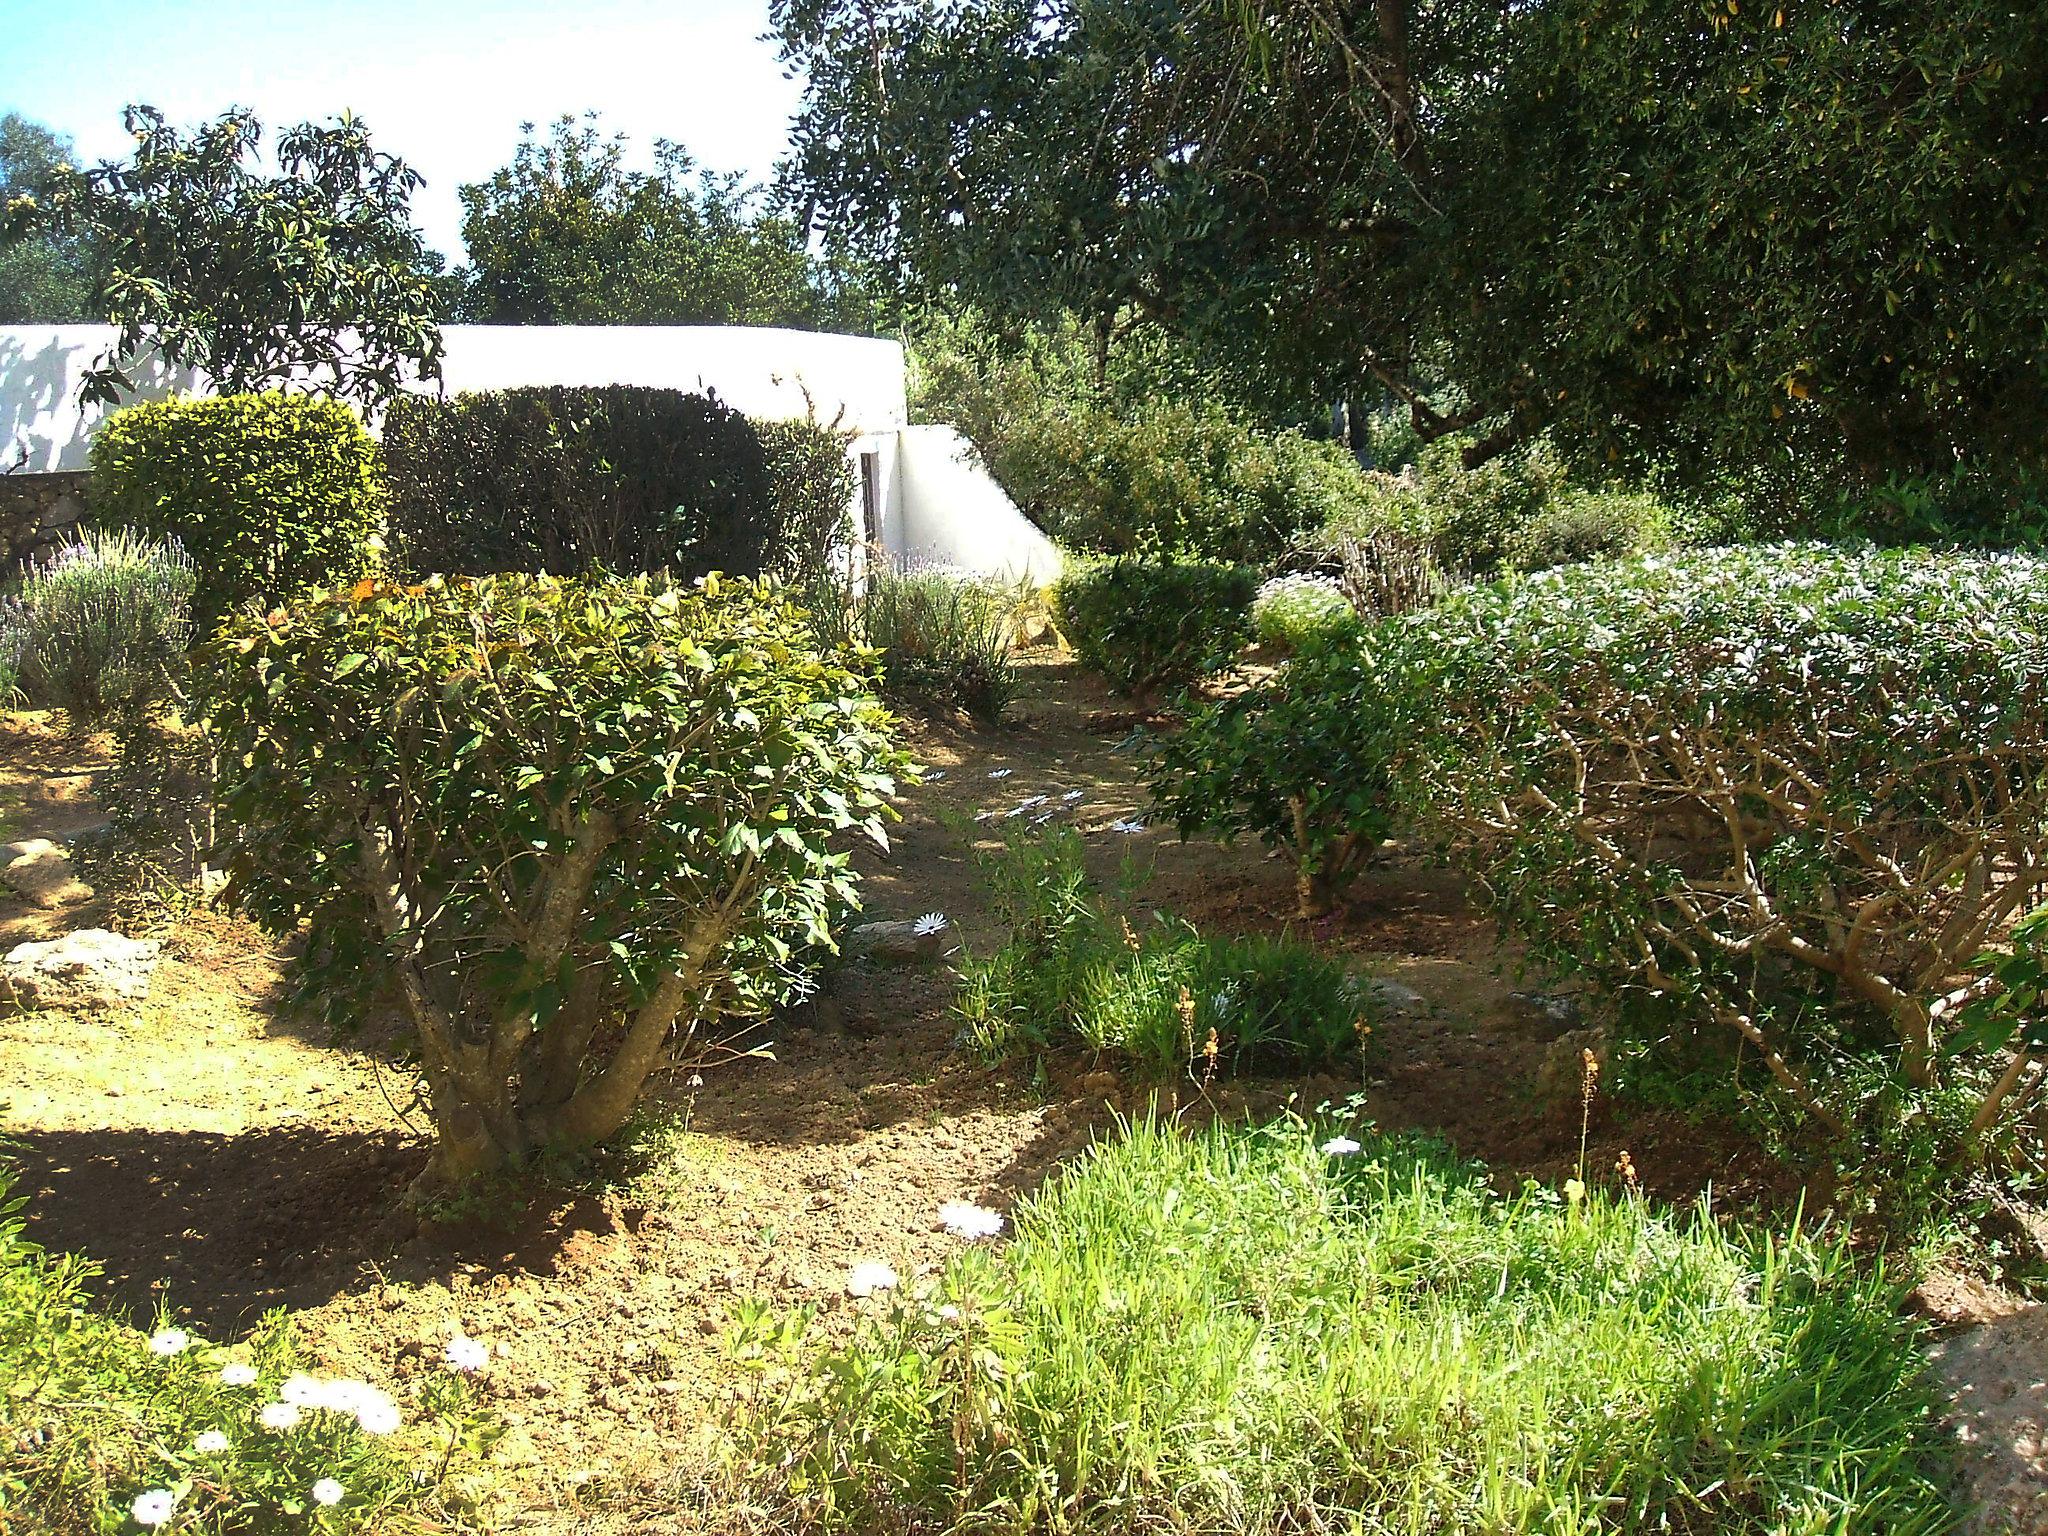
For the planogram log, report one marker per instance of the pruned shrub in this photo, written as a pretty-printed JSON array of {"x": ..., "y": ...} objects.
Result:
[
  {"x": 1169, "y": 1000},
  {"x": 1302, "y": 611},
  {"x": 1389, "y": 571},
  {"x": 1300, "y": 760},
  {"x": 268, "y": 494},
  {"x": 103, "y": 624},
  {"x": 944, "y": 636},
  {"x": 618, "y": 478},
  {"x": 1784, "y": 794},
  {"x": 1152, "y": 625},
  {"x": 1588, "y": 525},
  {"x": 569, "y": 825}
]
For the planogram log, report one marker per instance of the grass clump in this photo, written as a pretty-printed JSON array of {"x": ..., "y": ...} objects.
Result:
[
  {"x": 106, "y": 1428},
  {"x": 944, "y": 636},
  {"x": 102, "y": 625},
  {"x": 1254, "y": 1330},
  {"x": 1166, "y": 998}
]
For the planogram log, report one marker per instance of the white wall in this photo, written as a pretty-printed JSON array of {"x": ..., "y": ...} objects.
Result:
[
  {"x": 856, "y": 381},
  {"x": 937, "y": 502},
  {"x": 951, "y": 510}
]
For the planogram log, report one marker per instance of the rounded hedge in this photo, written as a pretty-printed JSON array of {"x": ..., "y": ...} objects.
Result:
[
  {"x": 1149, "y": 625},
  {"x": 267, "y": 493}
]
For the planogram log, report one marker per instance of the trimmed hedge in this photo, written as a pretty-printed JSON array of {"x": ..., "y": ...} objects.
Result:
[
  {"x": 618, "y": 478},
  {"x": 1147, "y": 626},
  {"x": 1784, "y": 793},
  {"x": 268, "y": 493}
]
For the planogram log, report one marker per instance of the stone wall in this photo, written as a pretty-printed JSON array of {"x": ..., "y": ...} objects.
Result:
[{"x": 36, "y": 511}]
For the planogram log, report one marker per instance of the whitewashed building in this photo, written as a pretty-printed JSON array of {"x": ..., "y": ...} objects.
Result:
[{"x": 922, "y": 493}]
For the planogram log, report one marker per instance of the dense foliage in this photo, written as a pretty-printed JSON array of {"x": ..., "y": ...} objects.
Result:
[
  {"x": 1788, "y": 792},
  {"x": 567, "y": 235},
  {"x": 311, "y": 274},
  {"x": 103, "y": 625},
  {"x": 45, "y": 279},
  {"x": 1301, "y": 760},
  {"x": 268, "y": 494},
  {"x": 615, "y": 477},
  {"x": 1254, "y": 1329},
  {"x": 1169, "y": 1000},
  {"x": 1800, "y": 239},
  {"x": 1119, "y": 448},
  {"x": 102, "y": 1425},
  {"x": 1150, "y": 625},
  {"x": 571, "y": 826}
]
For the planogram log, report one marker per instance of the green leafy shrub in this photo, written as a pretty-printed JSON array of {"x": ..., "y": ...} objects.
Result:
[
  {"x": 1300, "y": 760},
  {"x": 1782, "y": 793},
  {"x": 944, "y": 636},
  {"x": 619, "y": 478},
  {"x": 1302, "y": 612},
  {"x": 105, "y": 1428},
  {"x": 1152, "y": 625},
  {"x": 1588, "y": 525},
  {"x": 104, "y": 625},
  {"x": 568, "y": 824},
  {"x": 268, "y": 494},
  {"x": 1169, "y": 1000},
  {"x": 1253, "y": 1329}
]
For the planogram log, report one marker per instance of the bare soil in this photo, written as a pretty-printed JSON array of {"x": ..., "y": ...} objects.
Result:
[{"x": 219, "y": 1158}]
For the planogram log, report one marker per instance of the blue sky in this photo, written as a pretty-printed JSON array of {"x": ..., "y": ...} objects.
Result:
[{"x": 444, "y": 85}]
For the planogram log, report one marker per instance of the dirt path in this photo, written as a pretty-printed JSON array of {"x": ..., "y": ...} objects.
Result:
[{"x": 212, "y": 1154}]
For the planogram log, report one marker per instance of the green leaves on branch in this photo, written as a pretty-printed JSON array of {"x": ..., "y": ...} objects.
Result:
[{"x": 568, "y": 823}]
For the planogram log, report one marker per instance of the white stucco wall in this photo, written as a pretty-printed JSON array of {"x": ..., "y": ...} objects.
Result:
[
  {"x": 951, "y": 510},
  {"x": 759, "y": 371},
  {"x": 935, "y": 500}
]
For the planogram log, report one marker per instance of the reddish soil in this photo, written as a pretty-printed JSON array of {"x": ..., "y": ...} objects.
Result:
[{"x": 218, "y": 1157}]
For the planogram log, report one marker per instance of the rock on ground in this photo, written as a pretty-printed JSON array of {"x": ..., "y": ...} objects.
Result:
[
  {"x": 88, "y": 970},
  {"x": 41, "y": 870}
]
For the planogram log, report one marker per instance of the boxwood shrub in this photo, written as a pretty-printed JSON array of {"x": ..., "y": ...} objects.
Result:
[
  {"x": 268, "y": 493},
  {"x": 568, "y": 825},
  {"x": 1148, "y": 625},
  {"x": 1783, "y": 793}
]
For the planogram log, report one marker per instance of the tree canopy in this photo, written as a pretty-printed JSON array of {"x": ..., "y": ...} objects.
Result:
[
  {"x": 44, "y": 279},
  {"x": 568, "y": 234},
  {"x": 1796, "y": 233},
  {"x": 313, "y": 273}
]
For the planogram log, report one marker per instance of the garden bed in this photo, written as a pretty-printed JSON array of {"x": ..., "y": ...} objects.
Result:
[{"x": 210, "y": 1152}]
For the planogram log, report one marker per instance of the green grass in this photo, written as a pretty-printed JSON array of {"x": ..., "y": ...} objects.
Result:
[{"x": 1233, "y": 1332}]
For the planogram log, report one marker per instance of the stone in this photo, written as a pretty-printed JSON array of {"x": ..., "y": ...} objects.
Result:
[
  {"x": 1554, "y": 1007},
  {"x": 898, "y": 942},
  {"x": 1562, "y": 1077},
  {"x": 1394, "y": 997},
  {"x": 41, "y": 870},
  {"x": 88, "y": 970}
]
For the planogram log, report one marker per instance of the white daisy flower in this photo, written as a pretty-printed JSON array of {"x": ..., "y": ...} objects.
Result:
[
  {"x": 1000, "y": 773},
  {"x": 1039, "y": 821},
  {"x": 1031, "y": 802},
  {"x": 154, "y": 1507},
  {"x": 211, "y": 1442},
  {"x": 965, "y": 1219},
  {"x": 303, "y": 1391},
  {"x": 379, "y": 1416},
  {"x": 1340, "y": 1146},
  {"x": 949, "y": 1313},
  {"x": 1073, "y": 795},
  {"x": 869, "y": 1277},
  {"x": 466, "y": 1356},
  {"x": 169, "y": 1341},
  {"x": 1015, "y": 810},
  {"x": 236, "y": 1374},
  {"x": 327, "y": 1492},
  {"x": 936, "y": 776},
  {"x": 1127, "y": 826},
  {"x": 983, "y": 815},
  {"x": 279, "y": 1416},
  {"x": 929, "y": 924}
]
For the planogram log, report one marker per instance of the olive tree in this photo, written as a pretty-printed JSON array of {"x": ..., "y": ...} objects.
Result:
[{"x": 567, "y": 825}]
